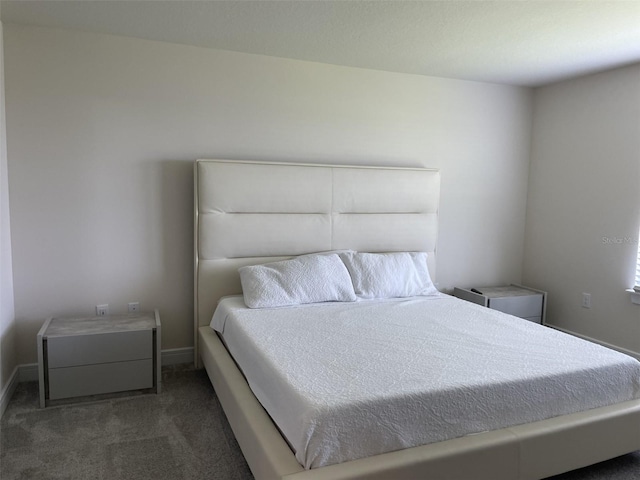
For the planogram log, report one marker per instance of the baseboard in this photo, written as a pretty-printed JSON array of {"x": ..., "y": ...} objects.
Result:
[
  {"x": 176, "y": 356},
  {"x": 8, "y": 390},
  {"x": 28, "y": 372},
  {"x": 631, "y": 353}
]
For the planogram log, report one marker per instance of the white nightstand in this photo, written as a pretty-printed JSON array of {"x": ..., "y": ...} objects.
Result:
[
  {"x": 517, "y": 300},
  {"x": 96, "y": 355}
]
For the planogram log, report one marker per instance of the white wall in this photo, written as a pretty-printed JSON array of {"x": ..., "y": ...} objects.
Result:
[
  {"x": 8, "y": 356},
  {"x": 584, "y": 203},
  {"x": 102, "y": 133}
]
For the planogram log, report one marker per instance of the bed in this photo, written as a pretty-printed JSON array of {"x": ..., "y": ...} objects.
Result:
[{"x": 250, "y": 213}]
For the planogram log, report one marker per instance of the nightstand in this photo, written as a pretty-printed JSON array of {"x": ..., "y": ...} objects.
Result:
[
  {"x": 517, "y": 300},
  {"x": 85, "y": 356}
]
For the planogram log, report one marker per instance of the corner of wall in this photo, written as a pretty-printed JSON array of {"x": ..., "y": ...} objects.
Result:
[
  {"x": 582, "y": 205},
  {"x": 8, "y": 354}
]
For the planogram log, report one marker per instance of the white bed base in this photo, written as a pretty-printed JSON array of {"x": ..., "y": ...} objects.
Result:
[
  {"x": 531, "y": 451},
  {"x": 242, "y": 217}
]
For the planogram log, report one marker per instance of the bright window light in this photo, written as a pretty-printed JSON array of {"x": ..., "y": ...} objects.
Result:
[{"x": 637, "y": 286}]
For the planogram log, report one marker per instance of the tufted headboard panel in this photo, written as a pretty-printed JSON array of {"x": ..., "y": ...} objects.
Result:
[{"x": 257, "y": 212}]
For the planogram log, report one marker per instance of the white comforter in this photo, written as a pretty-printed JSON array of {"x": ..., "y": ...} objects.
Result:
[{"x": 350, "y": 380}]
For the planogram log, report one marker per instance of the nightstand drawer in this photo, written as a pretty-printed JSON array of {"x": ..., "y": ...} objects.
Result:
[
  {"x": 101, "y": 348},
  {"x": 537, "y": 319},
  {"x": 102, "y": 378},
  {"x": 522, "y": 306}
]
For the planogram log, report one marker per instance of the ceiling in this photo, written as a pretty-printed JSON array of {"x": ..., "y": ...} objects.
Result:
[{"x": 518, "y": 42}]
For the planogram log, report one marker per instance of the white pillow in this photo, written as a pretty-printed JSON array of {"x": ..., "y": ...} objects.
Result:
[
  {"x": 389, "y": 275},
  {"x": 306, "y": 279}
]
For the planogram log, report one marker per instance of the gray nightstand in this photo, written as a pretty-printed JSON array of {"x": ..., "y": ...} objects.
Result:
[
  {"x": 517, "y": 300},
  {"x": 96, "y": 355}
]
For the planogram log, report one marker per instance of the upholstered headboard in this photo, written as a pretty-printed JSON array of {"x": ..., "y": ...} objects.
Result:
[{"x": 257, "y": 212}]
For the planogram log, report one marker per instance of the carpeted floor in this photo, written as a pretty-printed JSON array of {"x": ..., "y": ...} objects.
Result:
[{"x": 179, "y": 434}]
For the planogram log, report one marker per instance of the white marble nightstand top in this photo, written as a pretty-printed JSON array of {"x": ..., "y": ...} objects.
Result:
[
  {"x": 507, "y": 291},
  {"x": 64, "y": 327}
]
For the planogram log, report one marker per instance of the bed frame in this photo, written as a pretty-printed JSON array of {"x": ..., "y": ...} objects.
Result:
[{"x": 256, "y": 212}]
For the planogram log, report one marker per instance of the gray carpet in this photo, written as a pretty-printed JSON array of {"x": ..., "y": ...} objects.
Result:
[{"x": 179, "y": 434}]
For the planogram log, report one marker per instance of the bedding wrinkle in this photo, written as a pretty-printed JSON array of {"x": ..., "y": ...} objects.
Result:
[{"x": 350, "y": 380}]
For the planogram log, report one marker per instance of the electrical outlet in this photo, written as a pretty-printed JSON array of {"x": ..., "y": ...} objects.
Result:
[
  {"x": 133, "y": 307},
  {"x": 586, "y": 300},
  {"x": 102, "y": 310}
]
